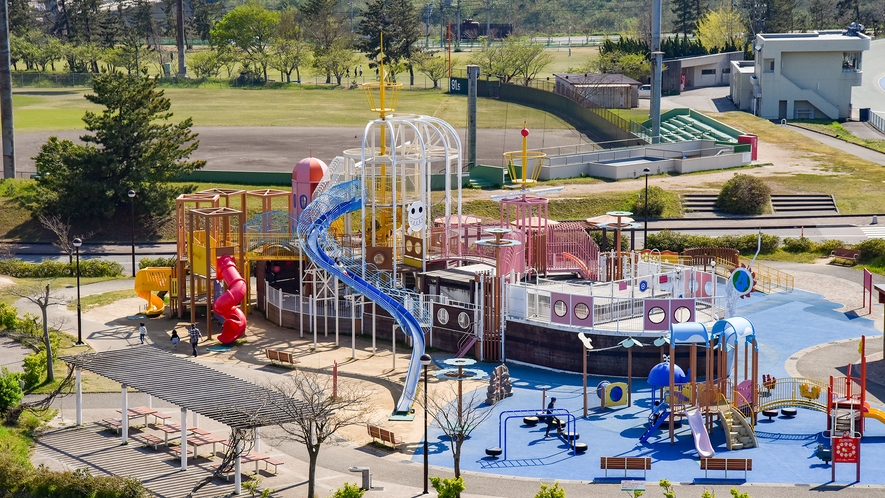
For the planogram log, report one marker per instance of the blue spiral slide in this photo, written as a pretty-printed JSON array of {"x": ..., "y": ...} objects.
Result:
[{"x": 324, "y": 250}]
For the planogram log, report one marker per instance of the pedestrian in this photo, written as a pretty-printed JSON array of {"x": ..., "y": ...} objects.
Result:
[
  {"x": 175, "y": 339},
  {"x": 195, "y": 337},
  {"x": 142, "y": 331},
  {"x": 551, "y": 420}
]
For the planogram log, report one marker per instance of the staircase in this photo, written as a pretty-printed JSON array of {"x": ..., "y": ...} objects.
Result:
[
  {"x": 699, "y": 203},
  {"x": 791, "y": 203},
  {"x": 738, "y": 433}
]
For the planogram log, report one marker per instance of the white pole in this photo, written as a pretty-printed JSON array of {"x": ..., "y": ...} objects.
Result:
[
  {"x": 150, "y": 401},
  {"x": 393, "y": 338},
  {"x": 196, "y": 417},
  {"x": 257, "y": 444},
  {"x": 184, "y": 438},
  {"x": 125, "y": 414},
  {"x": 280, "y": 306},
  {"x": 238, "y": 480},
  {"x": 374, "y": 308},
  {"x": 301, "y": 315},
  {"x": 337, "y": 325},
  {"x": 313, "y": 306},
  {"x": 353, "y": 327},
  {"x": 79, "y": 396}
]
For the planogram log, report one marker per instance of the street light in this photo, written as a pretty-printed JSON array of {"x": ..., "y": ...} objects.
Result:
[
  {"x": 425, "y": 361},
  {"x": 77, "y": 244},
  {"x": 131, "y": 195},
  {"x": 645, "y": 230}
]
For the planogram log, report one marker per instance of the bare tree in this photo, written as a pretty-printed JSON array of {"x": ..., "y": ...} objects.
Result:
[
  {"x": 317, "y": 411},
  {"x": 239, "y": 443},
  {"x": 40, "y": 295},
  {"x": 457, "y": 417},
  {"x": 62, "y": 230}
]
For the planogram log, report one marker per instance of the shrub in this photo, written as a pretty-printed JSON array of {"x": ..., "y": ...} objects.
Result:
[
  {"x": 658, "y": 199},
  {"x": 667, "y": 240},
  {"x": 10, "y": 391},
  {"x": 447, "y": 487},
  {"x": 551, "y": 491},
  {"x": 160, "y": 262},
  {"x": 8, "y": 317},
  {"x": 744, "y": 194},
  {"x": 828, "y": 246},
  {"x": 35, "y": 369},
  {"x": 349, "y": 491},
  {"x": 47, "y": 483},
  {"x": 798, "y": 245},
  {"x": 871, "y": 249},
  {"x": 55, "y": 269}
]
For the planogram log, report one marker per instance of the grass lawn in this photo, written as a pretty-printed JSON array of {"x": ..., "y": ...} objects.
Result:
[
  {"x": 58, "y": 283},
  {"x": 88, "y": 303},
  {"x": 836, "y": 130}
]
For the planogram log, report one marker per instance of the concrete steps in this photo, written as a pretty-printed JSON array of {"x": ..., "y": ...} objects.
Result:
[
  {"x": 699, "y": 203},
  {"x": 790, "y": 203}
]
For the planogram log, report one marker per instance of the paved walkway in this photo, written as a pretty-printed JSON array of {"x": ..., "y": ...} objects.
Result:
[{"x": 856, "y": 150}]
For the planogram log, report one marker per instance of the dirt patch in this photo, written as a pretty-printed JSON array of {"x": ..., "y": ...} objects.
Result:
[{"x": 5, "y": 282}]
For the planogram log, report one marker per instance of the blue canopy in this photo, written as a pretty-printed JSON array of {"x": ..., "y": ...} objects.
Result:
[
  {"x": 688, "y": 333},
  {"x": 734, "y": 328}
]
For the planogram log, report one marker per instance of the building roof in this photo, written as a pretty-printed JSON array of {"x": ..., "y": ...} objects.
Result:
[
  {"x": 597, "y": 79},
  {"x": 224, "y": 398}
]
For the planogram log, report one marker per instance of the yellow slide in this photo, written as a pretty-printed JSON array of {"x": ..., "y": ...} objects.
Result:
[
  {"x": 150, "y": 280},
  {"x": 875, "y": 413}
]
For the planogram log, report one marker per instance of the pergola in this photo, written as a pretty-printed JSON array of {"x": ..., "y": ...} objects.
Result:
[{"x": 234, "y": 402}]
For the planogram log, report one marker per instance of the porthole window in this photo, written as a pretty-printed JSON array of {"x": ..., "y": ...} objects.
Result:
[
  {"x": 582, "y": 311},
  {"x": 378, "y": 258},
  {"x": 682, "y": 314},
  {"x": 463, "y": 320},
  {"x": 656, "y": 314},
  {"x": 560, "y": 308},
  {"x": 408, "y": 246},
  {"x": 442, "y": 316}
]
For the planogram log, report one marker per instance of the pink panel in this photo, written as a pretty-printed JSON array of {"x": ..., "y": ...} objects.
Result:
[
  {"x": 650, "y": 304},
  {"x": 704, "y": 280},
  {"x": 675, "y": 304},
  {"x": 586, "y": 301},
  {"x": 663, "y": 279},
  {"x": 564, "y": 298}
]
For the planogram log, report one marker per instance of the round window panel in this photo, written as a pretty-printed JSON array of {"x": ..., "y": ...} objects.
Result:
[
  {"x": 408, "y": 246},
  {"x": 560, "y": 308},
  {"x": 656, "y": 315},
  {"x": 378, "y": 258},
  {"x": 682, "y": 314},
  {"x": 582, "y": 311},
  {"x": 442, "y": 316},
  {"x": 418, "y": 248},
  {"x": 463, "y": 320}
]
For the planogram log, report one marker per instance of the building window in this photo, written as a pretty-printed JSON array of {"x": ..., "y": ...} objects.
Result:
[
  {"x": 708, "y": 71},
  {"x": 768, "y": 65},
  {"x": 726, "y": 70},
  {"x": 850, "y": 61}
]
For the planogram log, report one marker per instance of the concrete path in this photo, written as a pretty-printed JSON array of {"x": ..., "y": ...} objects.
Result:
[
  {"x": 856, "y": 150},
  {"x": 863, "y": 130}
]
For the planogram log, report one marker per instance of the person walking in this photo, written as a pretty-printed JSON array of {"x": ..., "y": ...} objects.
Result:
[
  {"x": 551, "y": 420},
  {"x": 175, "y": 339},
  {"x": 195, "y": 336},
  {"x": 142, "y": 331}
]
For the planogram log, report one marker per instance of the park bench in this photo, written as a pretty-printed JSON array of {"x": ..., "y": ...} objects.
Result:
[
  {"x": 280, "y": 357},
  {"x": 151, "y": 440},
  {"x": 625, "y": 464},
  {"x": 272, "y": 461},
  {"x": 227, "y": 472},
  {"x": 176, "y": 450},
  {"x": 726, "y": 464},
  {"x": 383, "y": 435},
  {"x": 113, "y": 424},
  {"x": 842, "y": 256}
]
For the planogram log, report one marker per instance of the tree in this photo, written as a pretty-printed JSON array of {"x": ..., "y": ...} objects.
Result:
[
  {"x": 432, "y": 66},
  {"x": 318, "y": 412},
  {"x": 632, "y": 65},
  {"x": 457, "y": 419},
  {"x": 528, "y": 58},
  {"x": 206, "y": 14},
  {"x": 399, "y": 22},
  {"x": 289, "y": 55},
  {"x": 720, "y": 28},
  {"x": 40, "y": 295},
  {"x": 250, "y": 28},
  {"x": 822, "y": 14},
  {"x": 336, "y": 60},
  {"x": 327, "y": 27},
  {"x": 744, "y": 194},
  {"x": 62, "y": 230},
  {"x": 20, "y": 17},
  {"x": 132, "y": 147},
  {"x": 687, "y": 13},
  {"x": 493, "y": 59},
  {"x": 204, "y": 64}
]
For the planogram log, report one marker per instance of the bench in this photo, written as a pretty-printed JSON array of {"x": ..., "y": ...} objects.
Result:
[
  {"x": 625, "y": 464},
  {"x": 383, "y": 435},
  {"x": 113, "y": 424},
  {"x": 842, "y": 256},
  {"x": 160, "y": 417},
  {"x": 280, "y": 357},
  {"x": 176, "y": 450},
  {"x": 272, "y": 461},
  {"x": 225, "y": 472},
  {"x": 151, "y": 440},
  {"x": 726, "y": 464}
]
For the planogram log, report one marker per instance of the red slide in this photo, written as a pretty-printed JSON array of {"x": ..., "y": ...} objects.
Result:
[{"x": 226, "y": 304}]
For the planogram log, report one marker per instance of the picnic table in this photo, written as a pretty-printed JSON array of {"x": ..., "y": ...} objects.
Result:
[
  {"x": 139, "y": 411},
  {"x": 168, "y": 429},
  {"x": 203, "y": 440},
  {"x": 253, "y": 456}
]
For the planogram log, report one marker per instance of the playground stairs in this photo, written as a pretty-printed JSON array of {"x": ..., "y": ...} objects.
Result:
[
  {"x": 739, "y": 434},
  {"x": 465, "y": 344},
  {"x": 843, "y": 420}
]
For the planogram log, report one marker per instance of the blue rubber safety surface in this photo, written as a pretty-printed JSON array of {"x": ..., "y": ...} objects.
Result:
[{"x": 785, "y": 323}]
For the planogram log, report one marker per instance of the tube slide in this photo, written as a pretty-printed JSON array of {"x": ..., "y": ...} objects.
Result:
[
  {"x": 147, "y": 281},
  {"x": 699, "y": 433},
  {"x": 875, "y": 413},
  {"x": 226, "y": 304},
  {"x": 313, "y": 228}
]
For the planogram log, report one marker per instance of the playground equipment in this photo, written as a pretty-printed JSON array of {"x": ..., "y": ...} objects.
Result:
[
  {"x": 611, "y": 394},
  {"x": 658, "y": 415},
  {"x": 150, "y": 280},
  {"x": 226, "y": 304},
  {"x": 699, "y": 433},
  {"x": 571, "y": 424}
]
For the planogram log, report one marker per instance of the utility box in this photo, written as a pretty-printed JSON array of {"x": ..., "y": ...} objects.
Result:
[{"x": 367, "y": 476}]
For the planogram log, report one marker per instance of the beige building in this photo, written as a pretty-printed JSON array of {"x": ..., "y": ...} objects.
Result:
[{"x": 800, "y": 75}]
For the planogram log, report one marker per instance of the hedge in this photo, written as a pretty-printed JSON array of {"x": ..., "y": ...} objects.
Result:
[
  {"x": 55, "y": 269},
  {"x": 667, "y": 240}
]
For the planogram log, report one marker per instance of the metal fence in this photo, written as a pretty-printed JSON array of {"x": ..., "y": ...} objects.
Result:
[{"x": 877, "y": 119}]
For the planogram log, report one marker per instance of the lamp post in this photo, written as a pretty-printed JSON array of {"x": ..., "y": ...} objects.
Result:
[
  {"x": 645, "y": 230},
  {"x": 425, "y": 361},
  {"x": 77, "y": 244},
  {"x": 131, "y": 195}
]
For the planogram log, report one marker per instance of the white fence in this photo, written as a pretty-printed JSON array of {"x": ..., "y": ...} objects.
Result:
[{"x": 877, "y": 119}]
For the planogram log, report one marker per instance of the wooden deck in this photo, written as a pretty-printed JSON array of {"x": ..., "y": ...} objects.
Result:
[{"x": 100, "y": 451}]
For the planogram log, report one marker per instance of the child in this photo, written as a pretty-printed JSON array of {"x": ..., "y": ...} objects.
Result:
[
  {"x": 142, "y": 331},
  {"x": 175, "y": 339}
]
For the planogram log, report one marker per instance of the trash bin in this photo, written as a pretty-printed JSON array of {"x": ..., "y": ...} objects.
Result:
[
  {"x": 167, "y": 68},
  {"x": 367, "y": 476},
  {"x": 753, "y": 140},
  {"x": 864, "y": 114}
]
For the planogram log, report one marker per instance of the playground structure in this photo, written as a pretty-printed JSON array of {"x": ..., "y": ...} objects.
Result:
[{"x": 150, "y": 280}]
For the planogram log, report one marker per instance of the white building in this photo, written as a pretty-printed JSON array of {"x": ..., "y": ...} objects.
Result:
[{"x": 801, "y": 75}]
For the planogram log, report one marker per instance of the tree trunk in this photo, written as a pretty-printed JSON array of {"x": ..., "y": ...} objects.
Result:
[
  {"x": 6, "y": 114},
  {"x": 311, "y": 472},
  {"x": 411, "y": 75},
  {"x": 298, "y": 74},
  {"x": 50, "y": 375},
  {"x": 338, "y": 79},
  {"x": 264, "y": 69}
]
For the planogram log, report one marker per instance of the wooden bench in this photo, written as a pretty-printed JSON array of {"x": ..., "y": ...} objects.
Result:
[
  {"x": 151, "y": 440},
  {"x": 726, "y": 464},
  {"x": 280, "y": 357},
  {"x": 160, "y": 417},
  {"x": 383, "y": 435},
  {"x": 176, "y": 450},
  {"x": 625, "y": 464},
  {"x": 272, "y": 461},
  {"x": 113, "y": 424},
  {"x": 227, "y": 472},
  {"x": 842, "y": 256}
]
